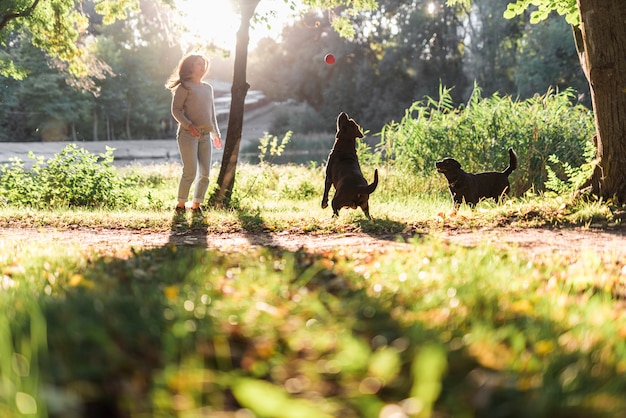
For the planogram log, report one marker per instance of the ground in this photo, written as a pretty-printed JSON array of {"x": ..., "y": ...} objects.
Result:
[{"x": 529, "y": 240}]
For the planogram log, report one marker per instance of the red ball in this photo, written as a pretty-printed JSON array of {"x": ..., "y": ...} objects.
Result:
[{"x": 329, "y": 59}]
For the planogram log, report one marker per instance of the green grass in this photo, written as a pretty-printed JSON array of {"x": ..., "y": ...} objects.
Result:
[
  {"x": 288, "y": 197},
  {"x": 433, "y": 330}
]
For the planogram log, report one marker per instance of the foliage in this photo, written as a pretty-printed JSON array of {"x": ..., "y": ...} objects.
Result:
[
  {"x": 478, "y": 134},
  {"x": 540, "y": 9},
  {"x": 567, "y": 8},
  {"x": 341, "y": 23},
  {"x": 547, "y": 57},
  {"x": 573, "y": 178},
  {"x": 120, "y": 94},
  {"x": 181, "y": 330},
  {"x": 74, "y": 178},
  {"x": 56, "y": 27},
  {"x": 269, "y": 145},
  {"x": 45, "y": 106},
  {"x": 399, "y": 52},
  {"x": 403, "y": 51}
]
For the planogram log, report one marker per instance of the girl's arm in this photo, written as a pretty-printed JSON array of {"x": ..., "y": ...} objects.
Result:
[
  {"x": 178, "y": 102},
  {"x": 215, "y": 130}
]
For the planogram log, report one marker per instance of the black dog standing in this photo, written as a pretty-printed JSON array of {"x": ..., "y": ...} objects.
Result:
[
  {"x": 344, "y": 172},
  {"x": 471, "y": 188}
]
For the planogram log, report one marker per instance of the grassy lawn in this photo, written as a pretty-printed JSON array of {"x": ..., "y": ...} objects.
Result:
[{"x": 433, "y": 330}]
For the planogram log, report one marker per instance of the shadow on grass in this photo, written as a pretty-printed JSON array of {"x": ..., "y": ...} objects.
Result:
[
  {"x": 255, "y": 228},
  {"x": 388, "y": 229},
  {"x": 182, "y": 330},
  {"x": 188, "y": 229}
]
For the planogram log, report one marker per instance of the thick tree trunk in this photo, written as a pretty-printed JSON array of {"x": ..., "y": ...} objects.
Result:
[
  {"x": 601, "y": 43},
  {"x": 226, "y": 178}
]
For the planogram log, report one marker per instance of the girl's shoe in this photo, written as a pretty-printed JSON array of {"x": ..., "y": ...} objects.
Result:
[
  {"x": 197, "y": 211},
  {"x": 180, "y": 210}
]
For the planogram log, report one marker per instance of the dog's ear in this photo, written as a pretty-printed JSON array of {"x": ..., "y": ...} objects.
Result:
[{"x": 341, "y": 120}]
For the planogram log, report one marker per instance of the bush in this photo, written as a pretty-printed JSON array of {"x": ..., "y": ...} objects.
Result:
[
  {"x": 17, "y": 186},
  {"x": 479, "y": 133},
  {"x": 72, "y": 178}
]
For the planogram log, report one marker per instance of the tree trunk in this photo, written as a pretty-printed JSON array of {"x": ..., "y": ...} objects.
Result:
[
  {"x": 95, "y": 124},
  {"x": 226, "y": 178},
  {"x": 108, "y": 122},
  {"x": 128, "y": 111},
  {"x": 601, "y": 43}
]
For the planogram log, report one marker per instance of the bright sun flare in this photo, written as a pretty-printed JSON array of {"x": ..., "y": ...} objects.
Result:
[{"x": 215, "y": 21}]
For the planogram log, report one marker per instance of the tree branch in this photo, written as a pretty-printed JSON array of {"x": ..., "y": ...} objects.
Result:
[{"x": 6, "y": 19}]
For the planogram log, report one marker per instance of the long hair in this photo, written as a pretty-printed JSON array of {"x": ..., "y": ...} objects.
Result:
[{"x": 183, "y": 71}]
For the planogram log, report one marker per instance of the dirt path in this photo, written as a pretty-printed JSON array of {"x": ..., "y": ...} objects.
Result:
[{"x": 531, "y": 241}]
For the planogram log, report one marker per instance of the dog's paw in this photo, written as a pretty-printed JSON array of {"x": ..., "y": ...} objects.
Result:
[{"x": 324, "y": 205}]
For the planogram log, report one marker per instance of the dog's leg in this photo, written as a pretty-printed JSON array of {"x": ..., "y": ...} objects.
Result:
[
  {"x": 505, "y": 193},
  {"x": 327, "y": 183},
  {"x": 366, "y": 210},
  {"x": 336, "y": 208},
  {"x": 336, "y": 204}
]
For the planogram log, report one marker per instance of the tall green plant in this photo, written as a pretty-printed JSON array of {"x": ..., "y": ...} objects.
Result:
[
  {"x": 478, "y": 133},
  {"x": 269, "y": 145}
]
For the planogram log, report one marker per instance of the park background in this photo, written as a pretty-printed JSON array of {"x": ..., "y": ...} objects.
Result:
[{"x": 401, "y": 53}]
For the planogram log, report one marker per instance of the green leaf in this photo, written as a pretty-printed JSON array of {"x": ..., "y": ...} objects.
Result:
[
  {"x": 268, "y": 400},
  {"x": 509, "y": 13},
  {"x": 385, "y": 364}
]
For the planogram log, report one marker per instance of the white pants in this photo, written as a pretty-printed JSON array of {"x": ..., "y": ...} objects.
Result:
[{"x": 195, "y": 154}]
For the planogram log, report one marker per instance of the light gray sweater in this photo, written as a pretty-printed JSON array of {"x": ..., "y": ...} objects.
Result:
[{"x": 192, "y": 104}]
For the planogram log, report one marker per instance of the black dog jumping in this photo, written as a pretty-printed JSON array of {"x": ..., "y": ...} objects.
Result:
[
  {"x": 344, "y": 172},
  {"x": 471, "y": 188}
]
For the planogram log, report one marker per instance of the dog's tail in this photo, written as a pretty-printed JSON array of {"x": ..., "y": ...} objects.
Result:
[
  {"x": 512, "y": 162},
  {"x": 369, "y": 189}
]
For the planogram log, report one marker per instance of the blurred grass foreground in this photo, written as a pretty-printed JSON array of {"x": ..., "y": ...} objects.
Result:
[{"x": 434, "y": 331}]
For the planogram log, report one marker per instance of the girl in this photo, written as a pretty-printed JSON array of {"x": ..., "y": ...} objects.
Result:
[{"x": 194, "y": 110}]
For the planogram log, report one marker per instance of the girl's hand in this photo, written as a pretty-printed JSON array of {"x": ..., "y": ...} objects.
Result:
[
  {"x": 217, "y": 142},
  {"x": 194, "y": 131}
]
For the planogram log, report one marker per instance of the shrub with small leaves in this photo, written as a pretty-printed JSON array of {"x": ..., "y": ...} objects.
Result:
[
  {"x": 18, "y": 187},
  {"x": 72, "y": 178}
]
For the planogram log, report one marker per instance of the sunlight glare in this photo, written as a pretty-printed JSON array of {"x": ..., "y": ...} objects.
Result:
[
  {"x": 217, "y": 22},
  {"x": 213, "y": 22}
]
